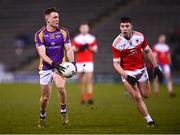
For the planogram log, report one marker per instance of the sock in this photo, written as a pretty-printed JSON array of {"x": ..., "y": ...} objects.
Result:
[
  {"x": 148, "y": 118},
  {"x": 63, "y": 108},
  {"x": 83, "y": 97},
  {"x": 42, "y": 114},
  {"x": 89, "y": 96}
]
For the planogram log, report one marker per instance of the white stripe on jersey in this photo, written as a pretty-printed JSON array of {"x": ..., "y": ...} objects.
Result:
[
  {"x": 161, "y": 47},
  {"x": 84, "y": 39},
  {"x": 121, "y": 43}
]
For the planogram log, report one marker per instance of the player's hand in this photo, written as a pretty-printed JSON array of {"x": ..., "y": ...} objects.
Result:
[
  {"x": 84, "y": 47},
  {"x": 157, "y": 72},
  {"x": 131, "y": 80},
  {"x": 57, "y": 66}
]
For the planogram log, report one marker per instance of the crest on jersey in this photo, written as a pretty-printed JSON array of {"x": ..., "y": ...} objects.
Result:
[
  {"x": 137, "y": 41},
  {"x": 130, "y": 43},
  {"x": 52, "y": 35}
]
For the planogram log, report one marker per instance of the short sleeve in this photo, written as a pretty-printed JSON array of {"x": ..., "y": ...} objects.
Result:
[
  {"x": 116, "y": 54},
  {"x": 66, "y": 36},
  {"x": 144, "y": 43},
  {"x": 38, "y": 38},
  {"x": 74, "y": 43},
  {"x": 94, "y": 43}
]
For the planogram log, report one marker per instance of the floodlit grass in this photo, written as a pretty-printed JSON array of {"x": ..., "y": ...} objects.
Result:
[{"x": 113, "y": 111}]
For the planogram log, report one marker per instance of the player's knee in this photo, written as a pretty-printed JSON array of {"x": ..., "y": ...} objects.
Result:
[
  {"x": 89, "y": 80},
  {"x": 137, "y": 98},
  {"x": 146, "y": 94},
  {"x": 45, "y": 98},
  {"x": 61, "y": 89}
]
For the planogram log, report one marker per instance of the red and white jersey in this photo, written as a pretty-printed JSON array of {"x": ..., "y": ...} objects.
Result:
[
  {"x": 161, "y": 52},
  {"x": 129, "y": 52},
  {"x": 80, "y": 40}
]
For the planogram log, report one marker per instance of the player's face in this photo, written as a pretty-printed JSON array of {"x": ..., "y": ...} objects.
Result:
[
  {"x": 84, "y": 29},
  {"x": 53, "y": 19},
  {"x": 126, "y": 29},
  {"x": 162, "y": 39}
]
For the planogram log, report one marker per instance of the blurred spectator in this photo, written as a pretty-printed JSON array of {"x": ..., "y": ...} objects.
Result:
[
  {"x": 5, "y": 76},
  {"x": 21, "y": 41}
]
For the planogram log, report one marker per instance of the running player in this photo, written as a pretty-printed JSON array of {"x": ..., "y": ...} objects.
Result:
[
  {"x": 52, "y": 42},
  {"x": 127, "y": 49},
  {"x": 85, "y": 46}
]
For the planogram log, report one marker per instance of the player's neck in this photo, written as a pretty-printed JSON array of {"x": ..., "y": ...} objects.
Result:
[
  {"x": 128, "y": 37},
  {"x": 84, "y": 34},
  {"x": 50, "y": 28}
]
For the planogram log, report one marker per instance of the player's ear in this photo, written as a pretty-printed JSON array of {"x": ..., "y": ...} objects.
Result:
[{"x": 47, "y": 18}]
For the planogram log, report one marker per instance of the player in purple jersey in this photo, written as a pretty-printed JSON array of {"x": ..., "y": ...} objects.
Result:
[{"x": 52, "y": 43}]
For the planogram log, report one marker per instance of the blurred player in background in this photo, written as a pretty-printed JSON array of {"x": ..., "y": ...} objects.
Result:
[
  {"x": 84, "y": 45},
  {"x": 127, "y": 49},
  {"x": 51, "y": 42},
  {"x": 162, "y": 54}
]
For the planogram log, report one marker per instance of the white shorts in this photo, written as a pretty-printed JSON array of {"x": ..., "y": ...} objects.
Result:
[
  {"x": 165, "y": 68},
  {"x": 85, "y": 67},
  {"x": 46, "y": 77},
  {"x": 140, "y": 74}
]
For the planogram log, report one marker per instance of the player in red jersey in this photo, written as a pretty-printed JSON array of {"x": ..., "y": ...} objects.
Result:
[
  {"x": 162, "y": 54},
  {"x": 127, "y": 49},
  {"x": 85, "y": 46}
]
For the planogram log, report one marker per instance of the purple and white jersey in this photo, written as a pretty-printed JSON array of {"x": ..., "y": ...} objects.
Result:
[{"x": 54, "y": 43}]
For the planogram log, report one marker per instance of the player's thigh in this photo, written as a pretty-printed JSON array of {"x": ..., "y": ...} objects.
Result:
[
  {"x": 144, "y": 88},
  {"x": 133, "y": 90},
  {"x": 59, "y": 81},
  {"x": 45, "y": 82}
]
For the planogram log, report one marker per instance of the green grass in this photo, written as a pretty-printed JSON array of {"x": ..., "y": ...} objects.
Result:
[{"x": 113, "y": 112}]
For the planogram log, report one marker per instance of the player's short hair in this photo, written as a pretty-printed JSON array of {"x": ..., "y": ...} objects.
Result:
[
  {"x": 84, "y": 23},
  {"x": 50, "y": 10},
  {"x": 126, "y": 20}
]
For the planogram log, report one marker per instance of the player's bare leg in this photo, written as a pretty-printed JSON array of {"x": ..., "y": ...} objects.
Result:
[
  {"x": 89, "y": 77},
  {"x": 60, "y": 84},
  {"x": 156, "y": 86},
  {"x": 82, "y": 83},
  {"x": 141, "y": 106},
  {"x": 45, "y": 95},
  {"x": 144, "y": 88},
  {"x": 169, "y": 84}
]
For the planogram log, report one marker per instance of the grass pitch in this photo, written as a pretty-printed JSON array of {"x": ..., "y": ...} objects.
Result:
[{"x": 113, "y": 111}]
